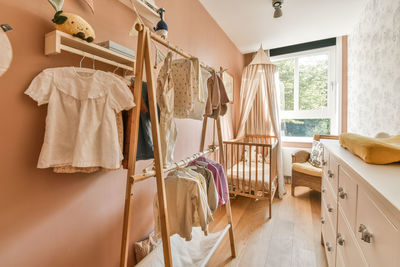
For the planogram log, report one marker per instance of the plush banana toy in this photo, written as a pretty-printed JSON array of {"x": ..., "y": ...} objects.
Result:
[{"x": 71, "y": 23}]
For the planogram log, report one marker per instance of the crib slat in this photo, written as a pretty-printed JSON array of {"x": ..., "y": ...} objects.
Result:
[
  {"x": 232, "y": 150},
  {"x": 226, "y": 157},
  {"x": 250, "y": 147},
  {"x": 271, "y": 176},
  {"x": 263, "y": 171},
  {"x": 237, "y": 168},
  {"x": 256, "y": 185},
  {"x": 244, "y": 167}
]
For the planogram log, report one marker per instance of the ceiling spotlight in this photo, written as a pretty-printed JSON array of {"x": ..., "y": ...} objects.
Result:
[{"x": 277, "y": 4}]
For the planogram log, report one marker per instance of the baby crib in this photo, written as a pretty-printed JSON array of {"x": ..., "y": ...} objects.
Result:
[{"x": 251, "y": 167}]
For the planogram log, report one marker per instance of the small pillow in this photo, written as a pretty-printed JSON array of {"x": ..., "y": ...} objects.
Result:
[
  {"x": 255, "y": 157},
  {"x": 317, "y": 154},
  {"x": 144, "y": 247},
  {"x": 372, "y": 150}
]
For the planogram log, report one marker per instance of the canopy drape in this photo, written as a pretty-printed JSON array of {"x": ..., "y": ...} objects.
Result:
[{"x": 259, "y": 108}]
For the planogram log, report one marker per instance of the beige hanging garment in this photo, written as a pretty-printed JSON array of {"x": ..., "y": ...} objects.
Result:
[
  {"x": 183, "y": 75},
  {"x": 165, "y": 100}
]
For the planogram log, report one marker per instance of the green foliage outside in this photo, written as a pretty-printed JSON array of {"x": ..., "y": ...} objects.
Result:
[
  {"x": 306, "y": 127},
  {"x": 313, "y": 93},
  {"x": 313, "y": 83},
  {"x": 286, "y": 76}
]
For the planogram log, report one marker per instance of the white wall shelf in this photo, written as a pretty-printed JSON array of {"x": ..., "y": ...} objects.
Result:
[
  {"x": 146, "y": 12},
  {"x": 57, "y": 41}
]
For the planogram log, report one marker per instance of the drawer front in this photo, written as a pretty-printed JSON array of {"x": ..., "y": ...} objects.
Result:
[
  {"x": 347, "y": 196},
  {"x": 384, "y": 242},
  {"x": 332, "y": 172},
  {"x": 339, "y": 259},
  {"x": 325, "y": 162},
  {"x": 328, "y": 234},
  {"x": 329, "y": 204},
  {"x": 347, "y": 244}
]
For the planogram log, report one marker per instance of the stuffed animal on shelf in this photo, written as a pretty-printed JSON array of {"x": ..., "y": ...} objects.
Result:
[
  {"x": 162, "y": 27},
  {"x": 71, "y": 23}
]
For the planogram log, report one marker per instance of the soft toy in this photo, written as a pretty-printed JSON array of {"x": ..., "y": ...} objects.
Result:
[
  {"x": 71, "y": 23},
  {"x": 162, "y": 27}
]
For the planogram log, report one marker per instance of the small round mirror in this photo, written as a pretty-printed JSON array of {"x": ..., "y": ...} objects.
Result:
[{"x": 5, "y": 52}]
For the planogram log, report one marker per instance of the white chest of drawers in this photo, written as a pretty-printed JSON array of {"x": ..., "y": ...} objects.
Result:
[{"x": 360, "y": 213}]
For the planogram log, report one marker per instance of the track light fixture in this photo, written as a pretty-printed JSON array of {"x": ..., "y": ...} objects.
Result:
[{"x": 277, "y": 4}]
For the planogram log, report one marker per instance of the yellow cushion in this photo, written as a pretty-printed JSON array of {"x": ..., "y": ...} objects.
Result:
[
  {"x": 307, "y": 168},
  {"x": 372, "y": 150}
]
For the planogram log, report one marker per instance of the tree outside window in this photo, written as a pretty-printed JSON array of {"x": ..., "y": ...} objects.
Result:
[{"x": 307, "y": 101}]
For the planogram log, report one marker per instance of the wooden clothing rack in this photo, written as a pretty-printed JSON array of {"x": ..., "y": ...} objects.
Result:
[{"x": 143, "y": 61}]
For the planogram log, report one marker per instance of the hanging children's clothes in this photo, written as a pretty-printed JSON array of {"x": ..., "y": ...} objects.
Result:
[
  {"x": 212, "y": 193},
  {"x": 217, "y": 180},
  {"x": 165, "y": 99},
  {"x": 71, "y": 169},
  {"x": 120, "y": 128},
  {"x": 186, "y": 201},
  {"x": 221, "y": 176},
  {"x": 201, "y": 91},
  {"x": 81, "y": 127},
  {"x": 217, "y": 97},
  {"x": 145, "y": 138},
  {"x": 183, "y": 75}
]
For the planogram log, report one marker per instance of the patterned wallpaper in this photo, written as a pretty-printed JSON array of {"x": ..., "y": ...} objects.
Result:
[{"x": 374, "y": 70}]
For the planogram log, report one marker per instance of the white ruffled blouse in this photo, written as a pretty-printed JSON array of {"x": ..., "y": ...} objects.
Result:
[{"x": 81, "y": 129}]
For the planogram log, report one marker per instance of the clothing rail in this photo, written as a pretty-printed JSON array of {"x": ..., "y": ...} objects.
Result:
[
  {"x": 179, "y": 164},
  {"x": 176, "y": 49},
  {"x": 143, "y": 63}
]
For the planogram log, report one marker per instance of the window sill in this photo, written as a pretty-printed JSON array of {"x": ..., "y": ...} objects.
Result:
[{"x": 301, "y": 142}]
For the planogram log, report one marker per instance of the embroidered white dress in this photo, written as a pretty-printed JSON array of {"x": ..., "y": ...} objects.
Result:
[{"x": 81, "y": 129}]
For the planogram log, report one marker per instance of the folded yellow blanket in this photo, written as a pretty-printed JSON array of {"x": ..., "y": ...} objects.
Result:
[{"x": 372, "y": 150}]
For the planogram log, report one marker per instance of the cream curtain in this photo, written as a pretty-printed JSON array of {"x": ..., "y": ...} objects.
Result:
[{"x": 259, "y": 110}]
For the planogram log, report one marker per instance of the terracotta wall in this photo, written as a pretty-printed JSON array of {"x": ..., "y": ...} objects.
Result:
[{"x": 49, "y": 219}]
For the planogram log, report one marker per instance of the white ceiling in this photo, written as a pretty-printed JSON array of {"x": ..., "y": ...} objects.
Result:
[{"x": 248, "y": 23}]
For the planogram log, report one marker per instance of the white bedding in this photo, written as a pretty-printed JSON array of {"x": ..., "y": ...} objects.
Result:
[
  {"x": 184, "y": 253},
  {"x": 233, "y": 173}
]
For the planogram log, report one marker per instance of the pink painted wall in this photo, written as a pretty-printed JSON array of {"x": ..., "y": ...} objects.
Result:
[{"x": 49, "y": 219}]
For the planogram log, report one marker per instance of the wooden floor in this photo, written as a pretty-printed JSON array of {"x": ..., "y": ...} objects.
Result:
[{"x": 291, "y": 238}]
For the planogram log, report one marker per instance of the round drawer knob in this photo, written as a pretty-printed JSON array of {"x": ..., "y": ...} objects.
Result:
[
  {"x": 342, "y": 193},
  {"x": 330, "y": 208},
  {"x": 323, "y": 190},
  {"x": 322, "y": 220},
  {"x": 330, "y": 174},
  {"x": 324, "y": 163},
  {"x": 340, "y": 239},
  {"x": 365, "y": 234},
  {"x": 328, "y": 246}
]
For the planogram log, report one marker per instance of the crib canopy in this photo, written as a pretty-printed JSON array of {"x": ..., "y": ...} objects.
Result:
[{"x": 259, "y": 110}]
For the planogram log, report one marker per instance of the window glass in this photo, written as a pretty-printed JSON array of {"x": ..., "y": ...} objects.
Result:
[
  {"x": 313, "y": 82},
  {"x": 306, "y": 127},
  {"x": 286, "y": 77}
]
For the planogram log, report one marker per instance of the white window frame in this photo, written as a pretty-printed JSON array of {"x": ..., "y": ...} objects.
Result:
[{"x": 331, "y": 112}]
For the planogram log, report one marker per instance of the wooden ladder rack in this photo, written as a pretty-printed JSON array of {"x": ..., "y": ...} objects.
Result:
[{"x": 143, "y": 61}]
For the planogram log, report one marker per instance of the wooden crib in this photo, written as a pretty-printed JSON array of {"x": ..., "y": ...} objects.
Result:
[{"x": 251, "y": 167}]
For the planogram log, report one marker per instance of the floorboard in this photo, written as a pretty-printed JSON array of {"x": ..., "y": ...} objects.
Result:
[{"x": 290, "y": 238}]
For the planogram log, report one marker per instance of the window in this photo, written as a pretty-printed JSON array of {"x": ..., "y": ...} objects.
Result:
[{"x": 307, "y": 93}]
